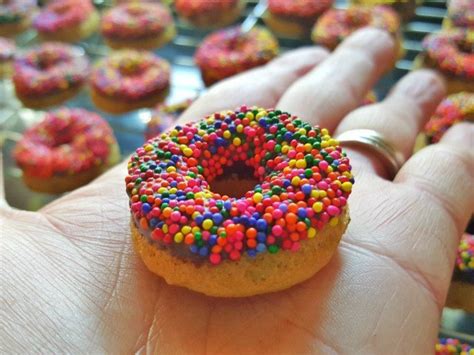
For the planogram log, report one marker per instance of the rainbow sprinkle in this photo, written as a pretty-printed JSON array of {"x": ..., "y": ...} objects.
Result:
[
  {"x": 304, "y": 182},
  {"x": 163, "y": 117},
  {"x": 61, "y": 15},
  {"x": 454, "y": 109},
  {"x": 450, "y": 346}
]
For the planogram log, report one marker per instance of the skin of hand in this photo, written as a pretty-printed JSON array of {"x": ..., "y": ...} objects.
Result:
[{"x": 72, "y": 283}]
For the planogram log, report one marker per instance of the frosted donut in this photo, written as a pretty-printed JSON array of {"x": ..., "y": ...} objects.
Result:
[
  {"x": 451, "y": 53},
  {"x": 451, "y": 346},
  {"x": 335, "y": 25},
  {"x": 7, "y": 54},
  {"x": 454, "y": 109},
  {"x": 460, "y": 14},
  {"x": 209, "y": 13},
  {"x": 67, "y": 149},
  {"x": 163, "y": 117},
  {"x": 138, "y": 25},
  {"x": 67, "y": 20},
  {"x": 405, "y": 8},
  {"x": 128, "y": 80},
  {"x": 271, "y": 236},
  {"x": 229, "y": 51},
  {"x": 15, "y": 16},
  {"x": 49, "y": 74},
  {"x": 294, "y": 18}
]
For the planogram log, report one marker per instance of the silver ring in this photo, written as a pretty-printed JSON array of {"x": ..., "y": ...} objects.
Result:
[{"x": 392, "y": 159}]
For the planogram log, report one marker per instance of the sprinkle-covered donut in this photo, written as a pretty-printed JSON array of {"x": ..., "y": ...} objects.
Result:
[
  {"x": 277, "y": 234},
  {"x": 49, "y": 74},
  {"x": 454, "y": 109},
  {"x": 212, "y": 14},
  {"x": 294, "y": 18},
  {"x": 128, "y": 80},
  {"x": 7, "y": 54},
  {"x": 229, "y": 51},
  {"x": 451, "y": 346},
  {"x": 163, "y": 117},
  {"x": 15, "y": 16},
  {"x": 139, "y": 25},
  {"x": 67, "y": 149},
  {"x": 460, "y": 14},
  {"x": 452, "y": 53},
  {"x": 337, "y": 24},
  {"x": 67, "y": 20}
]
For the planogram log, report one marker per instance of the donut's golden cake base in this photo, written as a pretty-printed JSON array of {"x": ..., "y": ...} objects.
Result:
[
  {"x": 149, "y": 43},
  {"x": 248, "y": 276},
  {"x": 39, "y": 102},
  {"x": 117, "y": 105},
  {"x": 461, "y": 295}
]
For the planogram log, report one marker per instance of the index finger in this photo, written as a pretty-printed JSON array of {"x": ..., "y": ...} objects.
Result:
[{"x": 261, "y": 86}]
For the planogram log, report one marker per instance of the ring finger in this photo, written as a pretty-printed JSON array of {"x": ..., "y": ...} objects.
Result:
[{"x": 398, "y": 119}]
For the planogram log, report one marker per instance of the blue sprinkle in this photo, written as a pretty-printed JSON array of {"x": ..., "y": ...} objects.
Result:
[
  {"x": 252, "y": 221},
  {"x": 203, "y": 251},
  {"x": 199, "y": 219},
  {"x": 261, "y": 247},
  {"x": 227, "y": 205},
  {"x": 261, "y": 225},
  {"x": 146, "y": 207},
  {"x": 207, "y": 215},
  {"x": 288, "y": 136},
  {"x": 261, "y": 237},
  {"x": 217, "y": 218},
  {"x": 301, "y": 212},
  {"x": 193, "y": 248},
  {"x": 306, "y": 188},
  {"x": 286, "y": 183},
  {"x": 173, "y": 184},
  {"x": 283, "y": 207},
  {"x": 252, "y": 253},
  {"x": 154, "y": 222},
  {"x": 212, "y": 239}
]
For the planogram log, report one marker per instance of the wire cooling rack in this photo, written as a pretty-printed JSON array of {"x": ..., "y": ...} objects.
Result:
[{"x": 186, "y": 83}]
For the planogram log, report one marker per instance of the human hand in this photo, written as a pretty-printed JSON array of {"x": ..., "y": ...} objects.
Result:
[{"x": 71, "y": 281}]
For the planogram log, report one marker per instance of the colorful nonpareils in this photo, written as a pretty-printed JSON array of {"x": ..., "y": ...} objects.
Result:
[{"x": 304, "y": 180}]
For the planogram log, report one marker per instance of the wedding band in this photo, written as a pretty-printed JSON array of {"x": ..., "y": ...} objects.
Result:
[{"x": 391, "y": 158}]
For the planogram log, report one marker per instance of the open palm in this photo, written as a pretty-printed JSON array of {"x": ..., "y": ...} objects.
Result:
[{"x": 72, "y": 283}]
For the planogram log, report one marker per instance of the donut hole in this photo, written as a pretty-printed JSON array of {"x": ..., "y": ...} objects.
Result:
[
  {"x": 235, "y": 181},
  {"x": 61, "y": 8}
]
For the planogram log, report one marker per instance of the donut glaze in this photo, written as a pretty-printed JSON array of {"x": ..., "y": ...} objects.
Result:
[
  {"x": 15, "y": 11},
  {"x": 300, "y": 9},
  {"x": 461, "y": 13},
  {"x": 337, "y": 24},
  {"x": 454, "y": 109},
  {"x": 131, "y": 75},
  {"x": 451, "y": 346},
  {"x": 229, "y": 51},
  {"x": 452, "y": 52},
  {"x": 135, "y": 20},
  {"x": 163, "y": 117},
  {"x": 62, "y": 14},
  {"x": 65, "y": 142},
  {"x": 50, "y": 68},
  {"x": 191, "y": 8},
  {"x": 7, "y": 50},
  {"x": 304, "y": 180}
]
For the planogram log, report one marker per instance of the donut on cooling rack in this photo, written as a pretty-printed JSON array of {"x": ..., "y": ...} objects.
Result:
[
  {"x": 460, "y": 14},
  {"x": 294, "y": 18},
  {"x": 67, "y": 20},
  {"x": 163, "y": 117},
  {"x": 128, "y": 80},
  {"x": 230, "y": 51},
  {"x": 451, "y": 53},
  {"x": 49, "y": 74},
  {"x": 462, "y": 286},
  {"x": 282, "y": 222},
  {"x": 7, "y": 54},
  {"x": 404, "y": 8},
  {"x": 67, "y": 149},
  {"x": 451, "y": 346},
  {"x": 209, "y": 14},
  {"x": 335, "y": 25},
  {"x": 15, "y": 16},
  {"x": 139, "y": 25}
]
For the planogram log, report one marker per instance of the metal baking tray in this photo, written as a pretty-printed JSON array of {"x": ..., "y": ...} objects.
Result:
[{"x": 186, "y": 83}]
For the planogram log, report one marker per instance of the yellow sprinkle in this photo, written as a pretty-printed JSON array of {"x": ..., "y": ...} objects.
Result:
[
  {"x": 324, "y": 132},
  {"x": 322, "y": 194},
  {"x": 207, "y": 224},
  {"x": 173, "y": 190},
  {"x": 295, "y": 181},
  {"x": 285, "y": 149},
  {"x": 315, "y": 193},
  {"x": 227, "y": 134},
  {"x": 237, "y": 141},
  {"x": 188, "y": 152},
  {"x": 196, "y": 229},
  {"x": 346, "y": 186},
  {"x": 334, "y": 221},
  {"x": 302, "y": 131},
  {"x": 170, "y": 169},
  {"x": 292, "y": 163},
  {"x": 239, "y": 128},
  {"x": 186, "y": 230},
  {"x": 261, "y": 114},
  {"x": 148, "y": 147},
  {"x": 164, "y": 228},
  {"x": 301, "y": 163},
  {"x": 195, "y": 214},
  {"x": 249, "y": 115},
  {"x": 317, "y": 207},
  {"x": 257, "y": 197},
  {"x": 178, "y": 237},
  {"x": 308, "y": 147},
  {"x": 311, "y": 233}
]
